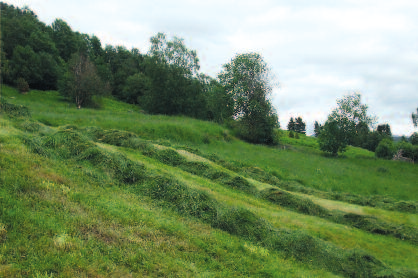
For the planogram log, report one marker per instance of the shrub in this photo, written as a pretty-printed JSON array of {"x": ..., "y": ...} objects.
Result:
[
  {"x": 291, "y": 134},
  {"x": 297, "y": 136},
  {"x": 22, "y": 85},
  {"x": 408, "y": 150},
  {"x": 385, "y": 149}
]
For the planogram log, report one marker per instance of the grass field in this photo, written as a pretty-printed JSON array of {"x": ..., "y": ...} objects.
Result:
[{"x": 113, "y": 192}]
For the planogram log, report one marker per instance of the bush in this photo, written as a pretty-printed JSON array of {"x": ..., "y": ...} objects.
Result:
[
  {"x": 22, "y": 85},
  {"x": 291, "y": 134},
  {"x": 385, "y": 149},
  {"x": 408, "y": 150}
]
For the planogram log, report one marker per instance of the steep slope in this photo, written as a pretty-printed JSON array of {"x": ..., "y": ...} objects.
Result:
[{"x": 116, "y": 198}]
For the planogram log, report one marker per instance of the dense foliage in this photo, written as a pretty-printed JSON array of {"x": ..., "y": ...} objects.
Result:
[
  {"x": 247, "y": 80},
  {"x": 349, "y": 124},
  {"x": 297, "y": 125},
  {"x": 166, "y": 80}
]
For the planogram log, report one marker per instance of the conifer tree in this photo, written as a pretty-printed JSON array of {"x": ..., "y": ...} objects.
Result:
[{"x": 291, "y": 125}]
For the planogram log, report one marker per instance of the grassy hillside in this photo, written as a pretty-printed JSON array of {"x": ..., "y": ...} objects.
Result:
[{"x": 114, "y": 192}]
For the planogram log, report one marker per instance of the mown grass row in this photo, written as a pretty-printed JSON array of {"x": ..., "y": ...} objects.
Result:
[
  {"x": 302, "y": 205},
  {"x": 274, "y": 178},
  {"x": 66, "y": 143},
  {"x": 98, "y": 172},
  {"x": 64, "y": 214}
]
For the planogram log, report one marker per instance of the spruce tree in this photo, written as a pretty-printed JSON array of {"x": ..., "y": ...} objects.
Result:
[
  {"x": 300, "y": 126},
  {"x": 291, "y": 125}
]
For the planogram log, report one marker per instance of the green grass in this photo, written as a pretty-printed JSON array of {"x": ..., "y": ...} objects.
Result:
[
  {"x": 114, "y": 192},
  {"x": 311, "y": 168}
]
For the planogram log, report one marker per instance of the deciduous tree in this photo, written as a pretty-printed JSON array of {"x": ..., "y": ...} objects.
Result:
[
  {"x": 349, "y": 113},
  {"x": 81, "y": 81},
  {"x": 345, "y": 125},
  {"x": 332, "y": 138},
  {"x": 247, "y": 79},
  {"x": 174, "y": 52}
]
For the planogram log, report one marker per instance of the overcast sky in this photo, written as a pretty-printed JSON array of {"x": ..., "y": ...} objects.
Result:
[{"x": 318, "y": 50}]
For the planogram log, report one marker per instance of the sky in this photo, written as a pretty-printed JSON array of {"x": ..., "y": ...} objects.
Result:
[{"x": 319, "y": 51}]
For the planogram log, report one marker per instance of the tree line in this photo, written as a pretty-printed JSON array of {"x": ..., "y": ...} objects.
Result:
[
  {"x": 350, "y": 124},
  {"x": 166, "y": 80}
]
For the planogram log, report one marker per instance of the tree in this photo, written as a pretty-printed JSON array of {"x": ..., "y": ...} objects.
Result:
[
  {"x": 384, "y": 129},
  {"x": 172, "y": 92},
  {"x": 349, "y": 113},
  {"x": 360, "y": 138},
  {"x": 317, "y": 129},
  {"x": 219, "y": 105},
  {"x": 247, "y": 79},
  {"x": 414, "y": 138},
  {"x": 332, "y": 138},
  {"x": 373, "y": 140},
  {"x": 174, "y": 53},
  {"x": 66, "y": 41},
  {"x": 291, "y": 125},
  {"x": 81, "y": 82},
  {"x": 137, "y": 85},
  {"x": 415, "y": 118},
  {"x": 300, "y": 126},
  {"x": 122, "y": 64}
]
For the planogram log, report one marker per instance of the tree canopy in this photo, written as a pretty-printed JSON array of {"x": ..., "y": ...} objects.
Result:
[
  {"x": 348, "y": 124},
  {"x": 81, "y": 81},
  {"x": 247, "y": 79},
  {"x": 174, "y": 52}
]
